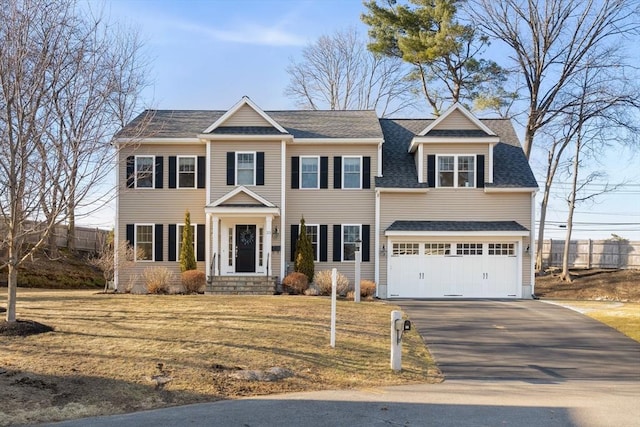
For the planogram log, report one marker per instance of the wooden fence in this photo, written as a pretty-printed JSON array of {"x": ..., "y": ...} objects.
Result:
[{"x": 593, "y": 253}]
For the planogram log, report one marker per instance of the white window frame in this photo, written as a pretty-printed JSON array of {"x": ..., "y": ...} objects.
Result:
[
  {"x": 437, "y": 249},
  {"x": 254, "y": 154},
  {"x": 501, "y": 249},
  {"x": 195, "y": 171},
  {"x": 456, "y": 170},
  {"x": 153, "y": 171},
  {"x": 344, "y": 165},
  {"x": 179, "y": 239},
  {"x": 136, "y": 241},
  {"x": 405, "y": 248},
  {"x": 317, "y": 159},
  {"x": 343, "y": 241},
  {"x": 469, "y": 249}
]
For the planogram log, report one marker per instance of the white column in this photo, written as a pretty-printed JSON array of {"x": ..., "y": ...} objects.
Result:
[
  {"x": 207, "y": 244},
  {"x": 267, "y": 242},
  {"x": 215, "y": 247}
]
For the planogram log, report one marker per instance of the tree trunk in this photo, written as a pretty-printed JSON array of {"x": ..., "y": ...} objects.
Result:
[
  {"x": 565, "y": 275},
  {"x": 12, "y": 283}
]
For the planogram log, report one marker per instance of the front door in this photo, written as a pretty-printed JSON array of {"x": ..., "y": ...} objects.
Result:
[{"x": 245, "y": 248}]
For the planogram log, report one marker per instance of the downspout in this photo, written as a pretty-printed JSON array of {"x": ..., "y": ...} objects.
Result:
[
  {"x": 376, "y": 243},
  {"x": 283, "y": 188}
]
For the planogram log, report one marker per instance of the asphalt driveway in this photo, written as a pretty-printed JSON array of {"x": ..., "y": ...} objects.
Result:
[{"x": 521, "y": 340}]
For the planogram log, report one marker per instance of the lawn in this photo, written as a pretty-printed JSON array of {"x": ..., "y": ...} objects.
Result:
[
  {"x": 105, "y": 348},
  {"x": 622, "y": 316}
]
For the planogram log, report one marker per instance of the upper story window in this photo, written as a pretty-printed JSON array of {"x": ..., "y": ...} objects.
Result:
[
  {"x": 144, "y": 168},
  {"x": 456, "y": 171},
  {"x": 351, "y": 172},
  {"x": 144, "y": 242},
  {"x": 187, "y": 172},
  {"x": 309, "y": 171},
  {"x": 245, "y": 168}
]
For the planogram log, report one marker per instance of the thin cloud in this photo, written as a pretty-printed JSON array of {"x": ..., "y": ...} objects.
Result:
[{"x": 246, "y": 34}]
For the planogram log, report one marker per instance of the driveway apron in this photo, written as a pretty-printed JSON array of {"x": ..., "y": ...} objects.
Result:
[{"x": 521, "y": 340}]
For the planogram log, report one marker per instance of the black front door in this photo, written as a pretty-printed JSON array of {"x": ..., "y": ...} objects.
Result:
[{"x": 245, "y": 248}]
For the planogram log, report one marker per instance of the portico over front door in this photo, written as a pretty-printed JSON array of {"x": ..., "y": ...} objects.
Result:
[{"x": 245, "y": 248}]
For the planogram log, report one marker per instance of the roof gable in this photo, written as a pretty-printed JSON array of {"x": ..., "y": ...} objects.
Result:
[
  {"x": 245, "y": 114},
  {"x": 457, "y": 118},
  {"x": 244, "y": 196}
]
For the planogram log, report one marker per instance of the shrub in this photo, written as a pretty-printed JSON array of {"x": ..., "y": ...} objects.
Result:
[
  {"x": 322, "y": 280},
  {"x": 303, "y": 257},
  {"x": 312, "y": 291},
  {"x": 367, "y": 290},
  {"x": 295, "y": 283},
  {"x": 187, "y": 257},
  {"x": 193, "y": 281},
  {"x": 157, "y": 280}
]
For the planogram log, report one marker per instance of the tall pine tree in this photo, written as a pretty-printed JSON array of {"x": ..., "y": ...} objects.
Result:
[
  {"x": 187, "y": 256},
  {"x": 304, "y": 253}
]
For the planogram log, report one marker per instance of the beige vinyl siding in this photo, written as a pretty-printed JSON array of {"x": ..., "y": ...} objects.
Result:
[
  {"x": 456, "y": 120},
  {"x": 272, "y": 166},
  {"x": 242, "y": 199},
  {"x": 246, "y": 116},
  {"x": 464, "y": 149},
  {"x": 332, "y": 206},
  {"x": 456, "y": 205}
]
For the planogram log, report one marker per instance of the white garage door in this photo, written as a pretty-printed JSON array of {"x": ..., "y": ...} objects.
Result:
[{"x": 457, "y": 269}]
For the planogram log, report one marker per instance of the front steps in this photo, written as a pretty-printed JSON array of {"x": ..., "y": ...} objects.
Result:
[{"x": 241, "y": 285}]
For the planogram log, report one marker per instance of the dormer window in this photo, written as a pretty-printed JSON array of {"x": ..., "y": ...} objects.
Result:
[{"x": 456, "y": 171}]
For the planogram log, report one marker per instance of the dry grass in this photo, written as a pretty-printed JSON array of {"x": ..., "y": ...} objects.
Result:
[
  {"x": 105, "y": 347},
  {"x": 624, "y": 317}
]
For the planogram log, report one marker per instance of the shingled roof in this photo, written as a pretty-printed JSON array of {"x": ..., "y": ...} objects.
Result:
[
  {"x": 300, "y": 124},
  {"x": 456, "y": 226},
  {"x": 511, "y": 168}
]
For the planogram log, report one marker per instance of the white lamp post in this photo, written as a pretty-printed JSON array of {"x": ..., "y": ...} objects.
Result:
[{"x": 356, "y": 287}]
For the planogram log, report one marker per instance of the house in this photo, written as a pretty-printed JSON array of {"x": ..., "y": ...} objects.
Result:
[{"x": 440, "y": 208}]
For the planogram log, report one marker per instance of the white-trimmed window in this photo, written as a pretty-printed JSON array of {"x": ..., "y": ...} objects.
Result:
[
  {"x": 469, "y": 249},
  {"x": 350, "y": 234},
  {"x": 187, "y": 171},
  {"x": 309, "y": 172},
  {"x": 456, "y": 171},
  {"x": 144, "y": 242},
  {"x": 260, "y": 246},
  {"x": 230, "y": 246},
  {"x": 437, "y": 249},
  {"x": 352, "y": 172},
  {"x": 179, "y": 231},
  {"x": 502, "y": 249},
  {"x": 312, "y": 234},
  {"x": 144, "y": 170},
  {"x": 406, "y": 249},
  {"x": 245, "y": 168}
]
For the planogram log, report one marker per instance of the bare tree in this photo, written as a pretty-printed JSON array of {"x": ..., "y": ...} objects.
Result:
[
  {"x": 68, "y": 80},
  {"x": 338, "y": 73},
  {"x": 106, "y": 256},
  {"x": 548, "y": 41}
]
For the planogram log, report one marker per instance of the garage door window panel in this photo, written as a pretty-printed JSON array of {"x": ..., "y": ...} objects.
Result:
[
  {"x": 437, "y": 249},
  {"x": 506, "y": 249},
  {"x": 469, "y": 249},
  {"x": 406, "y": 249}
]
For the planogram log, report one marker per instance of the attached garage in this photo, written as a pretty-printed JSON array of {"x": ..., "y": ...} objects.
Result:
[{"x": 450, "y": 259}]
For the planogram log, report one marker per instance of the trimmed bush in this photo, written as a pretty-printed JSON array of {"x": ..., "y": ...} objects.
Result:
[
  {"x": 367, "y": 288},
  {"x": 295, "y": 283},
  {"x": 322, "y": 280},
  {"x": 187, "y": 256},
  {"x": 194, "y": 281},
  {"x": 303, "y": 259},
  {"x": 157, "y": 280}
]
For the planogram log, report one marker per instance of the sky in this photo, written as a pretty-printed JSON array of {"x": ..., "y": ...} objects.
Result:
[{"x": 208, "y": 54}]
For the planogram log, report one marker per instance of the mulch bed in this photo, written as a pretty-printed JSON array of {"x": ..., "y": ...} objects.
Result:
[{"x": 22, "y": 328}]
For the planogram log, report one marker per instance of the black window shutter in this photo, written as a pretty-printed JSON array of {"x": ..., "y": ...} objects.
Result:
[
  {"x": 171, "y": 246},
  {"x": 173, "y": 171},
  {"x": 159, "y": 169},
  {"x": 294, "y": 240},
  {"x": 431, "y": 170},
  {"x": 480, "y": 171},
  {"x": 130, "y": 234},
  {"x": 202, "y": 171},
  {"x": 366, "y": 236},
  {"x": 337, "y": 242},
  {"x": 231, "y": 168},
  {"x": 295, "y": 172},
  {"x": 131, "y": 177},
  {"x": 337, "y": 172},
  {"x": 158, "y": 242},
  {"x": 323, "y": 243},
  {"x": 324, "y": 172},
  {"x": 202, "y": 238},
  {"x": 366, "y": 172},
  {"x": 260, "y": 168}
]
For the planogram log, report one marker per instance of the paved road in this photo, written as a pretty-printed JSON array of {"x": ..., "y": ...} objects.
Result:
[{"x": 522, "y": 340}]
